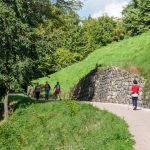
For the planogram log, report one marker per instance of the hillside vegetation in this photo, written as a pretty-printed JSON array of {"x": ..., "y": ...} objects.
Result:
[
  {"x": 129, "y": 52},
  {"x": 66, "y": 125}
]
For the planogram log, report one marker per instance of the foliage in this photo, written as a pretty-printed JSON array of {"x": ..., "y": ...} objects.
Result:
[
  {"x": 39, "y": 38},
  {"x": 137, "y": 17},
  {"x": 78, "y": 37},
  {"x": 102, "y": 30},
  {"x": 63, "y": 58},
  {"x": 50, "y": 126},
  {"x": 73, "y": 107},
  {"x": 21, "y": 44},
  {"x": 134, "y": 51},
  {"x": 24, "y": 41},
  {"x": 30, "y": 12},
  {"x": 37, "y": 11},
  {"x": 60, "y": 45},
  {"x": 49, "y": 30},
  {"x": 14, "y": 51}
]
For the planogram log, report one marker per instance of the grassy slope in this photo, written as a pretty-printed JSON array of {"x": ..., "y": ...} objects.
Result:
[
  {"x": 134, "y": 51},
  {"x": 62, "y": 126}
]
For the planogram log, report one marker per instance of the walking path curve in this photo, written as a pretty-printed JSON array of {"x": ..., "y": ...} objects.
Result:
[{"x": 138, "y": 121}]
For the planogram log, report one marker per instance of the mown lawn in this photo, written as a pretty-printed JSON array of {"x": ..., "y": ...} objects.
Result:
[
  {"x": 133, "y": 51},
  {"x": 65, "y": 125}
]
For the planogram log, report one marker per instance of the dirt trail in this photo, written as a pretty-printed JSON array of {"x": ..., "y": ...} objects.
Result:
[{"x": 138, "y": 121}]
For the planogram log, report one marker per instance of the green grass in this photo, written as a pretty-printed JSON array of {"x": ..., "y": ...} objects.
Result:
[
  {"x": 66, "y": 125},
  {"x": 135, "y": 51},
  {"x": 16, "y": 102}
]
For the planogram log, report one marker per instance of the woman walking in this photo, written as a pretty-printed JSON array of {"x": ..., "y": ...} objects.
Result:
[
  {"x": 135, "y": 94},
  {"x": 57, "y": 90}
]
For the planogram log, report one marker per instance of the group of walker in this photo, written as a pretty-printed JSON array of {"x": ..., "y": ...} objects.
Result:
[
  {"x": 37, "y": 90},
  {"x": 47, "y": 88}
]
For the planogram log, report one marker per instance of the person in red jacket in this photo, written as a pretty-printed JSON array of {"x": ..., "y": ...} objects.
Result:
[
  {"x": 135, "y": 93},
  {"x": 57, "y": 91}
]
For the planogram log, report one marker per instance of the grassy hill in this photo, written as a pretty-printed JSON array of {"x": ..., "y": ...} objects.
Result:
[
  {"x": 129, "y": 52},
  {"x": 66, "y": 125}
]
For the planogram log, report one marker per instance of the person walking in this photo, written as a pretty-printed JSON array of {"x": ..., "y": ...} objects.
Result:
[
  {"x": 37, "y": 91},
  {"x": 47, "y": 90},
  {"x": 57, "y": 91},
  {"x": 134, "y": 94}
]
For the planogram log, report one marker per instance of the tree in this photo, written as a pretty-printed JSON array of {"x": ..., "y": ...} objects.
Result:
[
  {"x": 74, "y": 36},
  {"x": 101, "y": 31},
  {"x": 136, "y": 17},
  {"x": 16, "y": 52},
  {"x": 21, "y": 43},
  {"x": 66, "y": 37},
  {"x": 63, "y": 58}
]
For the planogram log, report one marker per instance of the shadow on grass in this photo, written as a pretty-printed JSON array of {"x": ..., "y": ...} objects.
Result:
[{"x": 16, "y": 102}]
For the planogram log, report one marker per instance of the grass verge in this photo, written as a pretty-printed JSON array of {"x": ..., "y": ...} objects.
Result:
[{"x": 67, "y": 125}]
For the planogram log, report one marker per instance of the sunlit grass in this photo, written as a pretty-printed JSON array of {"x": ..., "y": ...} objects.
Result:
[
  {"x": 67, "y": 125},
  {"x": 135, "y": 51}
]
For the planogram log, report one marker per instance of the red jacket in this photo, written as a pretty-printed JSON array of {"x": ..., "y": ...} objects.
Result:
[{"x": 135, "y": 88}]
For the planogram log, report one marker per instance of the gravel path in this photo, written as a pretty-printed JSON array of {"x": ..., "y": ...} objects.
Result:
[{"x": 138, "y": 121}]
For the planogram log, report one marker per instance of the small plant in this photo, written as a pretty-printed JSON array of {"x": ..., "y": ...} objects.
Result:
[{"x": 73, "y": 107}]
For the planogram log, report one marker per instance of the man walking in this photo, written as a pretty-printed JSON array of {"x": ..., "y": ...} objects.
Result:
[
  {"x": 37, "y": 91},
  {"x": 47, "y": 90}
]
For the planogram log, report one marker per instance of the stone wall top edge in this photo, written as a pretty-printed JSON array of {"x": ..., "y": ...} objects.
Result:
[{"x": 112, "y": 68}]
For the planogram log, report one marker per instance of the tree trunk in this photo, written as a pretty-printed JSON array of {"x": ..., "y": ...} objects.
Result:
[{"x": 6, "y": 111}]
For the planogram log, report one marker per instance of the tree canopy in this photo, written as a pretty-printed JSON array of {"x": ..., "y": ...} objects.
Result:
[
  {"x": 20, "y": 41},
  {"x": 137, "y": 17}
]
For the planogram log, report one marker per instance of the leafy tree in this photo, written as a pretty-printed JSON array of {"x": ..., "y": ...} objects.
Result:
[
  {"x": 119, "y": 32},
  {"x": 67, "y": 37},
  {"x": 102, "y": 31},
  {"x": 56, "y": 33},
  {"x": 69, "y": 5},
  {"x": 15, "y": 54},
  {"x": 63, "y": 58},
  {"x": 137, "y": 17},
  {"x": 75, "y": 36},
  {"x": 37, "y": 11},
  {"x": 72, "y": 34},
  {"x": 30, "y": 12},
  {"x": 21, "y": 41}
]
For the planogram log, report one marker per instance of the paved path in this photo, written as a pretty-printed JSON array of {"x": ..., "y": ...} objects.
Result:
[{"x": 138, "y": 121}]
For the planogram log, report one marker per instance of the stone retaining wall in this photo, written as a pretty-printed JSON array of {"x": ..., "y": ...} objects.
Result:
[{"x": 108, "y": 85}]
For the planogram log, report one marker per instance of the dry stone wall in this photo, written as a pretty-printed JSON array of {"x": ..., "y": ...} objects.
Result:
[
  {"x": 108, "y": 85},
  {"x": 146, "y": 96}
]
